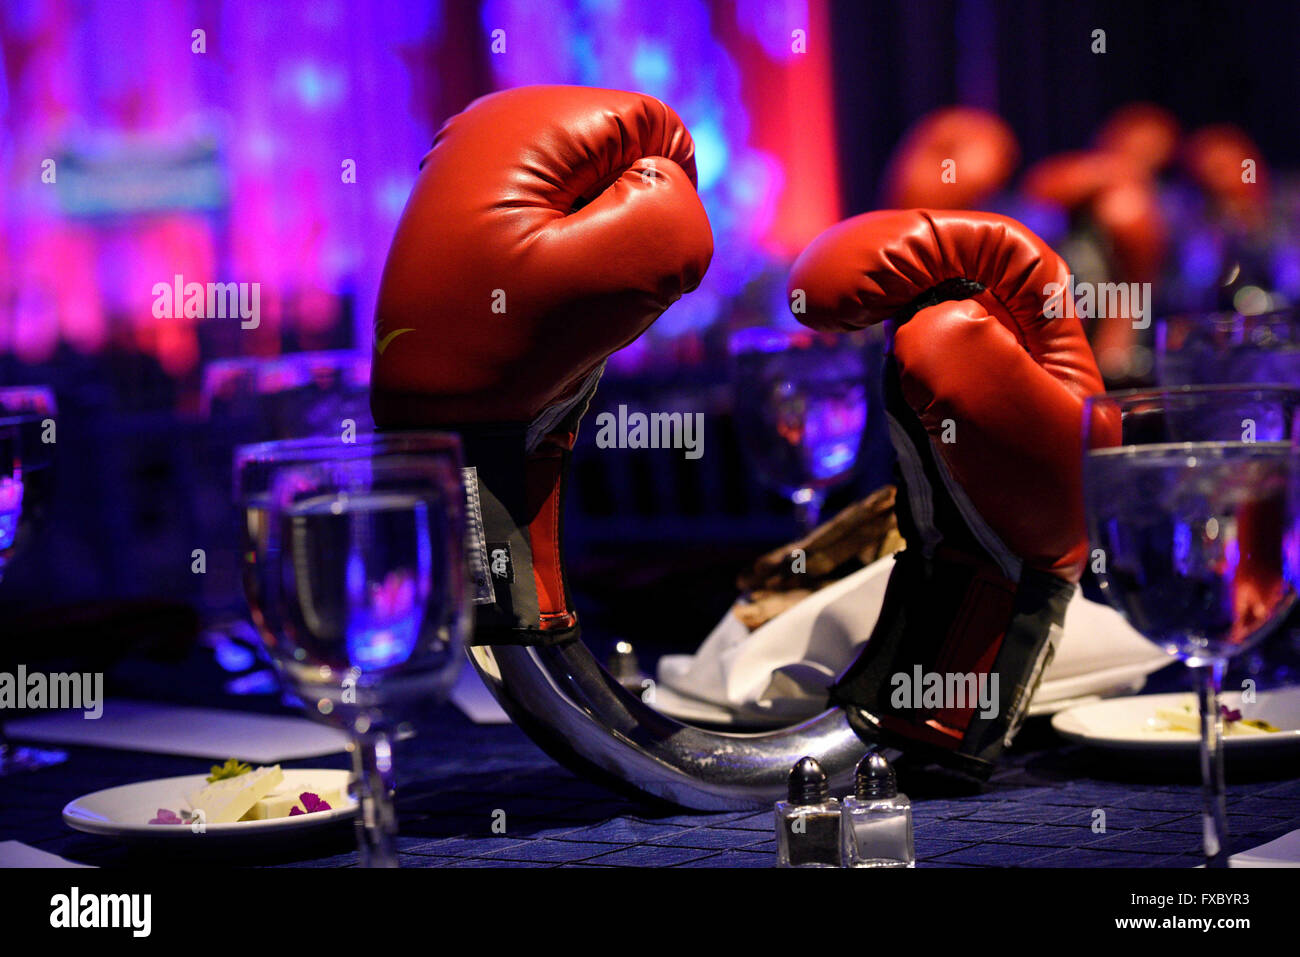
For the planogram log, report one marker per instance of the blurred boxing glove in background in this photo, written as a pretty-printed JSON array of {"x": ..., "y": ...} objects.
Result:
[
  {"x": 1118, "y": 232},
  {"x": 1227, "y": 166},
  {"x": 1229, "y": 241},
  {"x": 954, "y": 158},
  {"x": 1145, "y": 134}
]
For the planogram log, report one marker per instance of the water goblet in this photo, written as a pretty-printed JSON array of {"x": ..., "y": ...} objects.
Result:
[
  {"x": 1228, "y": 347},
  {"x": 1194, "y": 539},
  {"x": 363, "y": 574},
  {"x": 16, "y": 498},
  {"x": 801, "y": 410},
  {"x": 257, "y": 463},
  {"x": 34, "y": 406}
]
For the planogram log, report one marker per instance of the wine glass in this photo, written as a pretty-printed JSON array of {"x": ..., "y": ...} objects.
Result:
[
  {"x": 801, "y": 409},
  {"x": 1194, "y": 541},
  {"x": 363, "y": 576},
  {"x": 35, "y": 407},
  {"x": 1228, "y": 347},
  {"x": 303, "y": 393},
  {"x": 1200, "y": 348},
  {"x": 255, "y": 466},
  {"x": 18, "y": 477},
  {"x": 11, "y": 490}
]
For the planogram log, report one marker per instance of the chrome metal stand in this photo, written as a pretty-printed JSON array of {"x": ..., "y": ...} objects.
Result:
[{"x": 580, "y": 715}]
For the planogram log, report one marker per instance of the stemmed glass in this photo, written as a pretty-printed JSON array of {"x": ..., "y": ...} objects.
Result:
[
  {"x": 32, "y": 406},
  {"x": 1228, "y": 347},
  {"x": 304, "y": 393},
  {"x": 256, "y": 465},
  {"x": 801, "y": 409},
  {"x": 26, "y": 484},
  {"x": 362, "y": 578},
  {"x": 1194, "y": 540},
  {"x": 1199, "y": 348},
  {"x": 11, "y": 490}
]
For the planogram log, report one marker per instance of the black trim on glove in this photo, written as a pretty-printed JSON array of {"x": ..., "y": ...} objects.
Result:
[{"x": 958, "y": 601}]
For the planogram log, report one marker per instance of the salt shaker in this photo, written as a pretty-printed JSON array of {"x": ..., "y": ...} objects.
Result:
[{"x": 877, "y": 829}]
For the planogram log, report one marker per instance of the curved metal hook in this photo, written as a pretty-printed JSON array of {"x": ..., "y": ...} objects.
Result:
[{"x": 578, "y": 713}]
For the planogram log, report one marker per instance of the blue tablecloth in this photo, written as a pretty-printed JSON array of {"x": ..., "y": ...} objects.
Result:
[{"x": 1040, "y": 810}]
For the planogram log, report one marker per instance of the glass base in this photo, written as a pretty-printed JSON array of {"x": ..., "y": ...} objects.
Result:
[{"x": 16, "y": 760}]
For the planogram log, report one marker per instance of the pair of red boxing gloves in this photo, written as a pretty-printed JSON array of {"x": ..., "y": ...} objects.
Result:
[{"x": 550, "y": 226}]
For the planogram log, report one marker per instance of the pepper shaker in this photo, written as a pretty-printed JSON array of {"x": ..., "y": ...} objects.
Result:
[{"x": 808, "y": 824}]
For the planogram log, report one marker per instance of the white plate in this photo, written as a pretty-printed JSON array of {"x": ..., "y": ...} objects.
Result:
[
  {"x": 1125, "y": 679},
  {"x": 124, "y": 812},
  {"x": 1126, "y": 724}
]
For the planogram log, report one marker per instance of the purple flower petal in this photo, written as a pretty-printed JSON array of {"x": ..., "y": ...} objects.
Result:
[
  {"x": 295, "y": 810},
  {"x": 166, "y": 817},
  {"x": 312, "y": 802},
  {"x": 1229, "y": 714}
]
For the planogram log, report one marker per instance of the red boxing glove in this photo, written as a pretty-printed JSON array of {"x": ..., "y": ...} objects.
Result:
[
  {"x": 984, "y": 388},
  {"x": 1144, "y": 133},
  {"x": 1116, "y": 207},
  {"x": 1118, "y": 195},
  {"x": 1226, "y": 164},
  {"x": 955, "y": 158},
  {"x": 549, "y": 226}
]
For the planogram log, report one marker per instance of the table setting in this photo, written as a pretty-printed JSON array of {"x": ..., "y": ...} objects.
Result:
[{"x": 587, "y": 463}]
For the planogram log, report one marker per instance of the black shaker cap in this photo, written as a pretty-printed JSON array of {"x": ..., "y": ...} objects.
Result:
[
  {"x": 808, "y": 783},
  {"x": 875, "y": 778}
]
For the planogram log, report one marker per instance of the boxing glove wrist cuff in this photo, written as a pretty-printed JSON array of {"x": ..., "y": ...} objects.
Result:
[
  {"x": 514, "y": 498},
  {"x": 959, "y": 649}
]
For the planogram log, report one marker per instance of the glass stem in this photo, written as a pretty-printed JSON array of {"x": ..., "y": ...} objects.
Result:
[
  {"x": 808, "y": 508},
  {"x": 371, "y": 787},
  {"x": 1209, "y": 680}
]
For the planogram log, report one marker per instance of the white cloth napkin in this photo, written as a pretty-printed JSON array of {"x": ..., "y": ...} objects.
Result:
[
  {"x": 193, "y": 732},
  {"x": 780, "y": 671}
]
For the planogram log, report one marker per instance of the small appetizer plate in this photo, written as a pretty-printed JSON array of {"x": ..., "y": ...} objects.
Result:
[
  {"x": 124, "y": 812},
  {"x": 1131, "y": 724}
]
